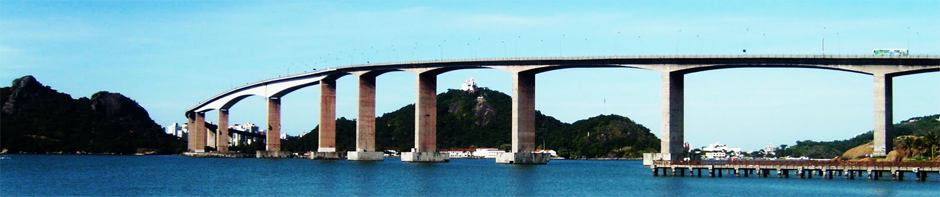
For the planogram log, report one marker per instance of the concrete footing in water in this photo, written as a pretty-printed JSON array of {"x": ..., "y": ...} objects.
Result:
[
  {"x": 273, "y": 154},
  {"x": 324, "y": 155},
  {"x": 523, "y": 158},
  {"x": 365, "y": 156},
  {"x": 424, "y": 157}
]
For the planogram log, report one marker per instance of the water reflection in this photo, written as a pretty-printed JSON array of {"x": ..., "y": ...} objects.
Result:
[
  {"x": 524, "y": 179},
  {"x": 364, "y": 177}
]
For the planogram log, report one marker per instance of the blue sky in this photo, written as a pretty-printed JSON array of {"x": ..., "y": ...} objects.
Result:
[{"x": 170, "y": 55}]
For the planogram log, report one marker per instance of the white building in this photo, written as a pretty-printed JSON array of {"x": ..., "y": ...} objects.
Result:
[
  {"x": 770, "y": 150},
  {"x": 720, "y": 151},
  {"x": 469, "y": 86},
  {"x": 459, "y": 152},
  {"x": 489, "y": 153},
  {"x": 180, "y": 131},
  {"x": 549, "y": 151},
  {"x": 241, "y": 139}
]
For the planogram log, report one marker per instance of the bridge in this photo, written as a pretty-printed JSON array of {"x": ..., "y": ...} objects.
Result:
[{"x": 524, "y": 70}]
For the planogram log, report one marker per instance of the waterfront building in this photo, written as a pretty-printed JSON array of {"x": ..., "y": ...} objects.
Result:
[
  {"x": 549, "y": 151},
  {"x": 459, "y": 152},
  {"x": 489, "y": 153},
  {"x": 720, "y": 151}
]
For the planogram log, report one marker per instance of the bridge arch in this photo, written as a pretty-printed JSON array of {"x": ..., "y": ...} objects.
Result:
[{"x": 703, "y": 68}]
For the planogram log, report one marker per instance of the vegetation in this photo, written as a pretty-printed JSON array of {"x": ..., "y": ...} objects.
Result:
[
  {"x": 916, "y": 137},
  {"x": 38, "y": 119},
  {"x": 482, "y": 119}
]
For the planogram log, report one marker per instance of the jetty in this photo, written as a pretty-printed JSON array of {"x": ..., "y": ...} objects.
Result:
[{"x": 873, "y": 170}]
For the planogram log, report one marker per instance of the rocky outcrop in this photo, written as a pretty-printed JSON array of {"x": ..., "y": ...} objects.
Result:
[
  {"x": 25, "y": 90},
  {"x": 38, "y": 119},
  {"x": 120, "y": 109}
]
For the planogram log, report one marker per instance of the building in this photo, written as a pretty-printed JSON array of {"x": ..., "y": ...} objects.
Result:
[
  {"x": 489, "y": 153},
  {"x": 469, "y": 86},
  {"x": 549, "y": 151},
  {"x": 770, "y": 150},
  {"x": 245, "y": 134},
  {"x": 180, "y": 131},
  {"x": 720, "y": 151},
  {"x": 459, "y": 152}
]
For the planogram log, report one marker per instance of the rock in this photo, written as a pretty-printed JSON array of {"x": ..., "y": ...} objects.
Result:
[
  {"x": 24, "y": 90},
  {"x": 861, "y": 151},
  {"x": 118, "y": 106},
  {"x": 485, "y": 113}
]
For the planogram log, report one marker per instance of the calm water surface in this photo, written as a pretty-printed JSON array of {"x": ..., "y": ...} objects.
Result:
[{"x": 87, "y": 175}]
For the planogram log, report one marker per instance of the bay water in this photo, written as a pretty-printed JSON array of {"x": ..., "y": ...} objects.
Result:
[{"x": 102, "y": 175}]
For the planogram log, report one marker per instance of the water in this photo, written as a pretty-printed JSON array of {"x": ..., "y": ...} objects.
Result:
[{"x": 90, "y": 175}]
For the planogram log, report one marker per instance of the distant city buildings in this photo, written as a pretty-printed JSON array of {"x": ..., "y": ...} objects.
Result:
[
  {"x": 180, "y": 131},
  {"x": 240, "y": 134},
  {"x": 245, "y": 134}
]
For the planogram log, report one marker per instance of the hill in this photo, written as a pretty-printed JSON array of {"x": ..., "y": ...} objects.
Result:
[
  {"x": 917, "y": 126},
  {"x": 482, "y": 119},
  {"x": 37, "y": 119}
]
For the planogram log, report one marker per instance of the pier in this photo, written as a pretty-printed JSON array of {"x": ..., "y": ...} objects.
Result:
[{"x": 803, "y": 169}]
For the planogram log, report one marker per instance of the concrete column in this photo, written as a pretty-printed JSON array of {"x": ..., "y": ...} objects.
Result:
[
  {"x": 327, "y": 137},
  {"x": 523, "y": 112},
  {"x": 200, "y": 132},
  {"x": 222, "y": 134},
  {"x": 672, "y": 114},
  {"x": 426, "y": 113},
  {"x": 273, "y": 141},
  {"x": 190, "y": 135},
  {"x": 365, "y": 124},
  {"x": 425, "y": 122},
  {"x": 883, "y": 116}
]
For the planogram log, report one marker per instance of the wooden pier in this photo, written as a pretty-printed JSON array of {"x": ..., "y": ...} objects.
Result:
[{"x": 803, "y": 169}]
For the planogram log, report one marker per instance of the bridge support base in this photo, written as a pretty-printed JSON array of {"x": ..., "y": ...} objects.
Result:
[
  {"x": 523, "y": 158},
  {"x": 424, "y": 157},
  {"x": 272, "y": 154},
  {"x": 365, "y": 156},
  {"x": 324, "y": 155}
]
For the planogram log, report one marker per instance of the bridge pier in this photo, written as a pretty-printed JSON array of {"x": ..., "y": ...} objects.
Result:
[
  {"x": 198, "y": 134},
  {"x": 425, "y": 122},
  {"x": 326, "y": 138},
  {"x": 222, "y": 138},
  {"x": 672, "y": 114},
  {"x": 523, "y": 123},
  {"x": 365, "y": 124},
  {"x": 273, "y": 135},
  {"x": 884, "y": 135}
]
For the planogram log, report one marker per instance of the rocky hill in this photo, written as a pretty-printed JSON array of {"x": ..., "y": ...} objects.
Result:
[
  {"x": 482, "y": 119},
  {"x": 38, "y": 119}
]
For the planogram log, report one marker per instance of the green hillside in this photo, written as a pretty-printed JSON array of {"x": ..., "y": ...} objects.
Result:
[{"x": 482, "y": 119}]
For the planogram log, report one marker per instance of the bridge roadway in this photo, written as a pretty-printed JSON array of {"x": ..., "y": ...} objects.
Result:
[{"x": 524, "y": 70}]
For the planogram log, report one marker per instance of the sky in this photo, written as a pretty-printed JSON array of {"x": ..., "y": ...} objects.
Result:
[{"x": 171, "y": 55}]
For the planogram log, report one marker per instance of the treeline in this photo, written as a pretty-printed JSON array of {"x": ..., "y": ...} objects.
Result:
[
  {"x": 37, "y": 119},
  {"x": 925, "y": 126},
  {"x": 482, "y": 119}
]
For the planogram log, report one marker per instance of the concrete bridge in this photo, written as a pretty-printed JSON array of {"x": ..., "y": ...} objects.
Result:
[{"x": 524, "y": 70}]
